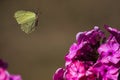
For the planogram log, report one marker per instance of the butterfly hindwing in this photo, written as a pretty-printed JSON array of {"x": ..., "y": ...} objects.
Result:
[{"x": 28, "y": 27}]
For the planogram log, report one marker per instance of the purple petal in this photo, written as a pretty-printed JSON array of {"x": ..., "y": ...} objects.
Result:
[
  {"x": 15, "y": 77},
  {"x": 3, "y": 64},
  {"x": 59, "y": 74}
]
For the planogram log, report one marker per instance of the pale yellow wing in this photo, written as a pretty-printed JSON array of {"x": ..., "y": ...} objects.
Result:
[
  {"x": 24, "y": 16},
  {"x": 28, "y": 27}
]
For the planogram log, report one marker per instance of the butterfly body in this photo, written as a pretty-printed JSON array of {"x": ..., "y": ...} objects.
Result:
[{"x": 27, "y": 20}]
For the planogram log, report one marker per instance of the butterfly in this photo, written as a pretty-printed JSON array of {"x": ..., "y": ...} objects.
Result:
[{"x": 27, "y": 19}]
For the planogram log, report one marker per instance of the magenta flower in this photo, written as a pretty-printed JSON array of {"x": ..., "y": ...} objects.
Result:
[
  {"x": 75, "y": 71},
  {"x": 114, "y": 32},
  {"x": 110, "y": 51},
  {"x": 59, "y": 74},
  {"x": 5, "y": 75},
  {"x": 92, "y": 37},
  {"x": 85, "y": 48},
  {"x": 3, "y": 64},
  {"x": 106, "y": 71},
  {"x": 93, "y": 57},
  {"x": 15, "y": 77}
]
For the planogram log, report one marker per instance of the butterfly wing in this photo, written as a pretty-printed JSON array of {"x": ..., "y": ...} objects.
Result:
[
  {"x": 27, "y": 20},
  {"x": 28, "y": 27},
  {"x": 24, "y": 16}
]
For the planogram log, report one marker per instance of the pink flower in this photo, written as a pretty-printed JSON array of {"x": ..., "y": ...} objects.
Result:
[
  {"x": 86, "y": 46},
  {"x": 59, "y": 74},
  {"x": 105, "y": 71},
  {"x": 75, "y": 71},
  {"x": 4, "y": 75},
  {"x": 15, "y": 77},
  {"x": 110, "y": 51},
  {"x": 93, "y": 57}
]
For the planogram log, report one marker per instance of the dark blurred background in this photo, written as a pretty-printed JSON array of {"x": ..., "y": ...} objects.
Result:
[{"x": 38, "y": 55}]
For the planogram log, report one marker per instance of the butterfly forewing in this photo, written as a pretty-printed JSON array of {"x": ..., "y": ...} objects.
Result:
[{"x": 24, "y": 16}]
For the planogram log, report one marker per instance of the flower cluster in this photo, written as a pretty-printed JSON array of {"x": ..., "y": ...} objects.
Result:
[
  {"x": 92, "y": 57},
  {"x": 5, "y": 75}
]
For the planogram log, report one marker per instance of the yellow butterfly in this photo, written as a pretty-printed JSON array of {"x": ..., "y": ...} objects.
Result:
[{"x": 27, "y": 19}]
